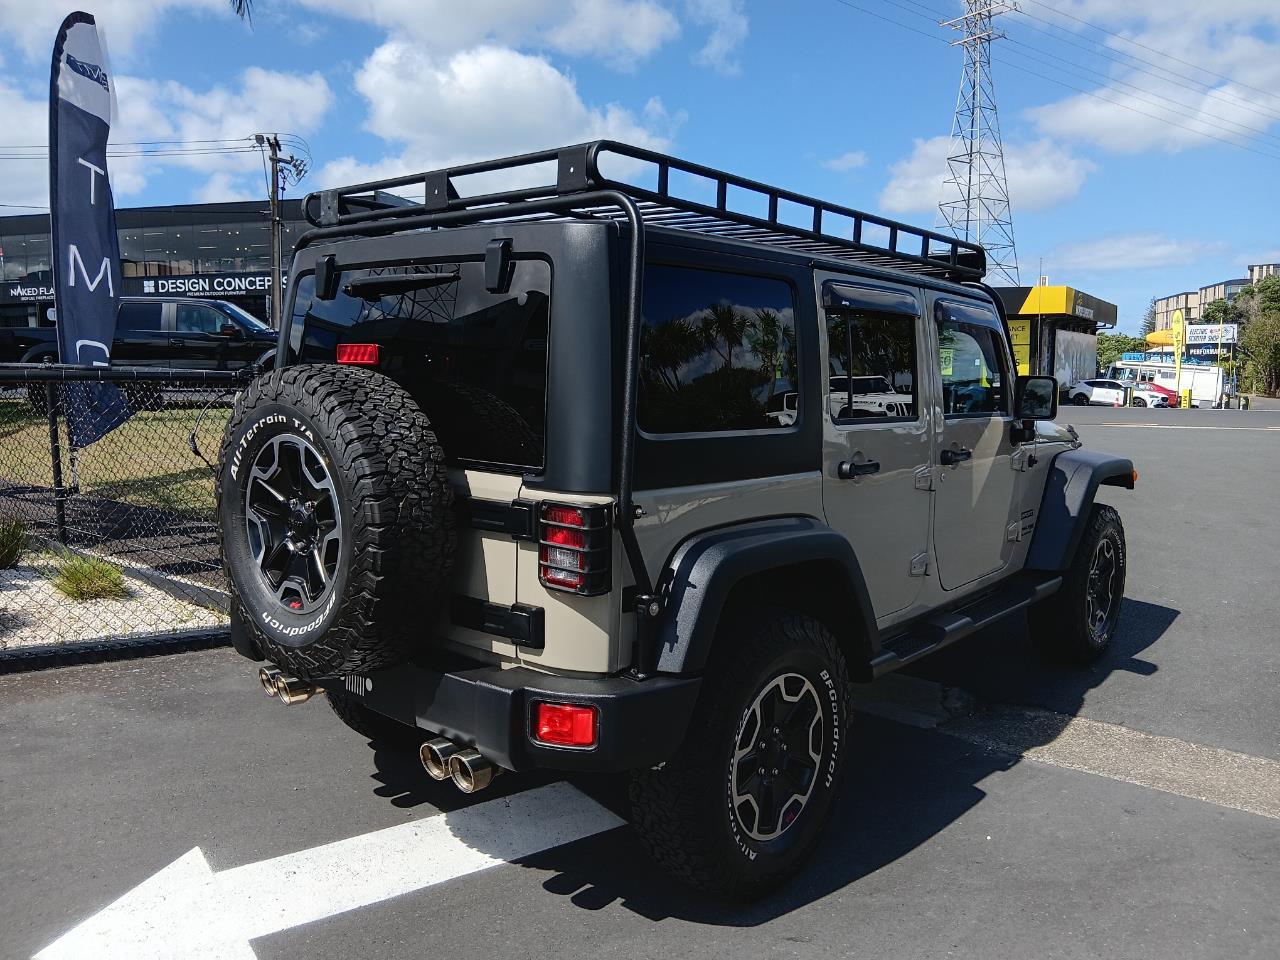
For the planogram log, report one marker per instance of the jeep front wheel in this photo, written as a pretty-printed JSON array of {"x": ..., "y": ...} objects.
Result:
[
  {"x": 744, "y": 802},
  {"x": 1078, "y": 621},
  {"x": 337, "y": 519}
]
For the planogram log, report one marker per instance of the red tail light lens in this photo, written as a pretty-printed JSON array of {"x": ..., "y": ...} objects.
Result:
[
  {"x": 564, "y": 724},
  {"x": 574, "y": 550},
  {"x": 359, "y": 354}
]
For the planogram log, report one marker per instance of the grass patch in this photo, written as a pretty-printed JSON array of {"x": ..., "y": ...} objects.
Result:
[
  {"x": 145, "y": 461},
  {"x": 14, "y": 540},
  {"x": 89, "y": 578}
]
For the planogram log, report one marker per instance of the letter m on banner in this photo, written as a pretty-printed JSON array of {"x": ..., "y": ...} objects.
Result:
[{"x": 86, "y": 260}]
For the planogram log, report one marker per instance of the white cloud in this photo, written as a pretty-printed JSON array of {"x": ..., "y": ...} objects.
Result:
[
  {"x": 847, "y": 161},
  {"x": 1130, "y": 251},
  {"x": 486, "y": 102},
  {"x": 150, "y": 110},
  {"x": 620, "y": 32},
  {"x": 1165, "y": 103},
  {"x": 729, "y": 28},
  {"x": 1040, "y": 174},
  {"x": 33, "y": 24}
]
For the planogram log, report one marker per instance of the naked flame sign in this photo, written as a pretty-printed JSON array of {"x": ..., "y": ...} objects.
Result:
[{"x": 86, "y": 248}]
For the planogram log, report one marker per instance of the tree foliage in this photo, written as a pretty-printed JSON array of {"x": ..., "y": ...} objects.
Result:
[
  {"x": 1112, "y": 345},
  {"x": 1258, "y": 311},
  {"x": 1148, "y": 319},
  {"x": 1219, "y": 311}
]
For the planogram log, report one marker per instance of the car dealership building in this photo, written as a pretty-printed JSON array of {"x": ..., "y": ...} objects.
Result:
[{"x": 218, "y": 250}]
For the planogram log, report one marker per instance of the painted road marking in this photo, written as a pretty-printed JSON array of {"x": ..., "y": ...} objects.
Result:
[
  {"x": 1221, "y": 777},
  {"x": 187, "y": 911},
  {"x": 1172, "y": 426}
]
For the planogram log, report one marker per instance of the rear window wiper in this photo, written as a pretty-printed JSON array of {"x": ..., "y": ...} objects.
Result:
[{"x": 375, "y": 288}]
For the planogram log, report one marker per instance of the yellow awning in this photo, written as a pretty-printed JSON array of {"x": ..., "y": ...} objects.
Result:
[{"x": 1160, "y": 338}]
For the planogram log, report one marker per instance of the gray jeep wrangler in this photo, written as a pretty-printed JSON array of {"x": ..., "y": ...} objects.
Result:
[{"x": 639, "y": 471}]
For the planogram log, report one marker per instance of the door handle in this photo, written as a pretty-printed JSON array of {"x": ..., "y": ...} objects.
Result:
[
  {"x": 952, "y": 457},
  {"x": 848, "y": 470},
  {"x": 177, "y": 342}
]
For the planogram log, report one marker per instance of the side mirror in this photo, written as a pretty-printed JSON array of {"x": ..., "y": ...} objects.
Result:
[
  {"x": 230, "y": 330},
  {"x": 1035, "y": 398}
]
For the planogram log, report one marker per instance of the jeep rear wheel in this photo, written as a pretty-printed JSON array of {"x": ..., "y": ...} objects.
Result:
[
  {"x": 337, "y": 519},
  {"x": 1078, "y": 621},
  {"x": 744, "y": 802}
]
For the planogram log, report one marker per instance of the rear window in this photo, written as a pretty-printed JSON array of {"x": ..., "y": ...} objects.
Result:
[
  {"x": 139, "y": 316},
  {"x": 717, "y": 352},
  {"x": 475, "y": 360}
]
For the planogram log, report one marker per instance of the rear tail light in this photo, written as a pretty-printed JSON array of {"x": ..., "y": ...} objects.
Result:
[
  {"x": 359, "y": 354},
  {"x": 565, "y": 724},
  {"x": 574, "y": 548}
]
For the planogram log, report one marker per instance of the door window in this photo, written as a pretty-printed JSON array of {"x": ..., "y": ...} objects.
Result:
[
  {"x": 871, "y": 366},
  {"x": 139, "y": 316},
  {"x": 974, "y": 371},
  {"x": 717, "y": 352},
  {"x": 198, "y": 318}
]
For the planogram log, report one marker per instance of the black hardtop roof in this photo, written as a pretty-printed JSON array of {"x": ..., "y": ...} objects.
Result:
[{"x": 663, "y": 191}]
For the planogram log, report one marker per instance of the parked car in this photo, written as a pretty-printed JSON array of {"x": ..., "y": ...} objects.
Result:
[
  {"x": 516, "y": 497},
  {"x": 1106, "y": 393},
  {"x": 1151, "y": 395},
  {"x": 178, "y": 333}
]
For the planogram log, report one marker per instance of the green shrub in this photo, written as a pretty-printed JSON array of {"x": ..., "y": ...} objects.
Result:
[
  {"x": 14, "y": 540},
  {"x": 88, "y": 578}
]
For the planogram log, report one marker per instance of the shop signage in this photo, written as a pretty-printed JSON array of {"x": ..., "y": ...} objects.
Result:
[
  {"x": 28, "y": 292},
  {"x": 1211, "y": 333},
  {"x": 205, "y": 285}
]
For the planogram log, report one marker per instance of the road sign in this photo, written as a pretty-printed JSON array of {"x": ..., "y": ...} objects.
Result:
[{"x": 189, "y": 911}]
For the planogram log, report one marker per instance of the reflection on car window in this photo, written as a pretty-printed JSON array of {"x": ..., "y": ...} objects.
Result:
[
  {"x": 717, "y": 352},
  {"x": 972, "y": 367},
  {"x": 199, "y": 318},
  {"x": 872, "y": 361}
]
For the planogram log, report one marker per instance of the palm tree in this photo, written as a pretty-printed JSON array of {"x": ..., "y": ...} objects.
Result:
[
  {"x": 243, "y": 9},
  {"x": 723, "y": 322}
]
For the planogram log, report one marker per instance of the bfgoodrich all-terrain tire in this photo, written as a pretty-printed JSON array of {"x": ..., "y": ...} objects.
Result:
[
  {"x": 745, "y": 800},
  {"x": 337, "y": 518},
  {"x": 1078, "y": 621}
]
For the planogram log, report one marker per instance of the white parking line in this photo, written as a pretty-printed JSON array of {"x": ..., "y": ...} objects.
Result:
[
  {"x": 1173, "y": 426},
  {"x": 187, "y": 911}
]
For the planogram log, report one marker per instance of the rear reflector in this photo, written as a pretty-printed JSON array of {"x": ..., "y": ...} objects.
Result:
[
  {"x": 358, "y": 354},
  {"x": 564, "y": 724}
]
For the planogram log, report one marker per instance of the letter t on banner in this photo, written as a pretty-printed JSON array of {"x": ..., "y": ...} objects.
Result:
[{"x": 86, "y": 248}]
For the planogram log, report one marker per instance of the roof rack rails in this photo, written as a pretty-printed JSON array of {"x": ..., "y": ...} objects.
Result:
[{"x": 708, "y": 201}]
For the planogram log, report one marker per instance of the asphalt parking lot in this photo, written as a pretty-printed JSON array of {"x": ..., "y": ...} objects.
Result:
[{"x": 999, "y": 806}]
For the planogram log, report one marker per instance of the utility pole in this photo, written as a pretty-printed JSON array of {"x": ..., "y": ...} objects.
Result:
[
  {"x": 284, "y": 170},
  {"x": 975, "y": 202}
]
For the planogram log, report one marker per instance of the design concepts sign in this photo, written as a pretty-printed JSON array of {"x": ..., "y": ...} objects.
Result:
[{"x": 207, "y": 285}]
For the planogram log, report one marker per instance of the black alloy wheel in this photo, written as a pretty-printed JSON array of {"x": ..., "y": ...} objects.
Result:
[{"x": 293, "y": 522}]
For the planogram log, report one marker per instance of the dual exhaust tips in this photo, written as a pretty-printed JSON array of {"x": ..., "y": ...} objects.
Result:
[
  {"x": 466, "y": 766},
  {"x": 287, "y": 689}
]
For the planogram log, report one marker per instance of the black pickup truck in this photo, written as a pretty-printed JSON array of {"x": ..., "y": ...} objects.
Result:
[{"x": 178, "y": 333}]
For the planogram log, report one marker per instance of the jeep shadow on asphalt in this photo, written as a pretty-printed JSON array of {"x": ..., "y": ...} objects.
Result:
[{"x": 908, "y": 784}]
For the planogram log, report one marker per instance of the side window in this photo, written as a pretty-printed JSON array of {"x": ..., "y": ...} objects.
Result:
[
  {"x": 717, "y": 352},
  {"x": 872, "y": 366},
  {"x": 139, "y": 316},
  {"x": 973, "y": 367},
  {"x": 198, "y": 318}
]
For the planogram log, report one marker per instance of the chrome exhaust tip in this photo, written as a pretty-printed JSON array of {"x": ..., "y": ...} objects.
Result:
[
  {"x": 470, "y": 771},
  {"x": 436, "y": 754},
  {"x": 291, "y": 690},
  {"x": 267, "y": 676}
]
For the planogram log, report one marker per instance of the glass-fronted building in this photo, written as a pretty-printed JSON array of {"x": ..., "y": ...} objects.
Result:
[{"x": 219, "y": 250}]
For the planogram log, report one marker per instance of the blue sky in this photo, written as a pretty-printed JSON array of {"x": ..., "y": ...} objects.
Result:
[{"x": 1116, "y": 184}]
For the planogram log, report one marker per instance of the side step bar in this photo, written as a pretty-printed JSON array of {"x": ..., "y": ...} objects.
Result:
[{"x": 942, "y": 629}]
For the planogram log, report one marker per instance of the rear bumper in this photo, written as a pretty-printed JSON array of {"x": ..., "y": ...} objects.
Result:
[{"x": 641, "y": 722}]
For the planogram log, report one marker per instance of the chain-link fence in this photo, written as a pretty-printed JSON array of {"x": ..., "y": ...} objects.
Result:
[{"x": 108, "y": 527}]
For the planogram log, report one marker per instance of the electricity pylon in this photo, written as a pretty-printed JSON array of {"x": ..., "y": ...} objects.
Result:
[{"x": 975, "y": 200}]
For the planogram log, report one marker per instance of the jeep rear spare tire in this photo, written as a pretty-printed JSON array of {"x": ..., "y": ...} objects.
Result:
[{"x": 337, "y": 519}]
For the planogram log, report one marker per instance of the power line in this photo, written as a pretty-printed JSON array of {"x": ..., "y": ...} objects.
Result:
[
  {"x": 1168, "y": 56},
  {"x": 1090, "y": 93}
]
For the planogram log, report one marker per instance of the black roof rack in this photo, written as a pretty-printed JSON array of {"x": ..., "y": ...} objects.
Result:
[{"x": 667, "y": 192}]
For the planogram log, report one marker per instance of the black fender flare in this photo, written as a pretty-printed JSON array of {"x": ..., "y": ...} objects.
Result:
[
  {"x": 36, "y": 353},
  {"x": 267, "y": 360},
  {"x": 1073, "y": 481},
  {"x": 706, "y": 567}
]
